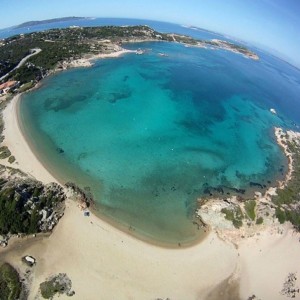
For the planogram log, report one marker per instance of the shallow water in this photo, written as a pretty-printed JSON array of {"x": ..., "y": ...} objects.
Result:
[{"x": 148, "y": 133}]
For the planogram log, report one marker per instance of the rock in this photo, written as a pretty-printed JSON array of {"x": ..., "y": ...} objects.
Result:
[
  {"x": 3, "y": 244},
  {"x": 60, "y": 150}
]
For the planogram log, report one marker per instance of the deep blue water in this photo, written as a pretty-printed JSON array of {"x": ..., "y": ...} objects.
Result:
[{"x": 148, "y": 133}]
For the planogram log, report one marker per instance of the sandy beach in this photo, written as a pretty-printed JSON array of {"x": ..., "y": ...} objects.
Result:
[
  {"x": 14, "y": 140},
  {"x": 101, "y": 260},
  {"x": 105, "y": 263},
  {"x": 88, "y": 60}
]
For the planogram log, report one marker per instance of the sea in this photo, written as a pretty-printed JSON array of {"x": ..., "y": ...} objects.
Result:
[{"x": 149, "y": 135}]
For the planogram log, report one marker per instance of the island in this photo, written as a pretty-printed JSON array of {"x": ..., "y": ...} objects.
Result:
[
  {"x": 49, "y": 21},
  {"x": 46, "y": 229}
]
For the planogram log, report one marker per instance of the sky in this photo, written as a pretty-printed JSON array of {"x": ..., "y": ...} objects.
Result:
[{"x": 270, "y": 24}]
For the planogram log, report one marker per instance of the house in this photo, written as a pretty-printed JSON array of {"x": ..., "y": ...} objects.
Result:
[{"x": 8, "y": 86}]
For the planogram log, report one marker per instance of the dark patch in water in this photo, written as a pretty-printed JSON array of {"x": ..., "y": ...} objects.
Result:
[
  {"x": 114, "y": 97},
  {"x": 194, "y": 127},
  {"x": 82, "y": 155},
  {"x": 60, "y": 150},
  {"x": 64, "y": 102},
  {"x": 220, "y": 190},
  {"x": 256, "y": 184},
  {"x": 202, "y": 150}
]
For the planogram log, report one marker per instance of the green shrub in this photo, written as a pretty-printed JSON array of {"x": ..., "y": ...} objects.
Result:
[
  {"x": 10, "y": 285},
  {"x": 280, "y": 215},
  {"x": 259, "y": 220},
  {"x": 234, "y": 215},
  {"x": 11, "y": 159},
  {"x": 26, "y": 87},
  {"x": 59, "y": 284},
  {"x": 250, "y": 209},
  {"x": 18, "y": 217},
  {"x": 4, "y": 152}
]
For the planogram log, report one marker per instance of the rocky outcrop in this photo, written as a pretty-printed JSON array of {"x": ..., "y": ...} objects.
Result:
[{"x": 28, "y": 206}]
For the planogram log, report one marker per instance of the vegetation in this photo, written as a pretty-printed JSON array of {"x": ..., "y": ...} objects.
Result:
[
  {"x": 250, "y": 209},
  {"x": 287, "y": 200},
  {"x": 60, "y": 284},
  {"x": 259, "y": 220},
  {"x": 10, "y": 285},
  {"x": 235, "y": 215},
  {"x": 11, "y": 159},
  {"x": 4, "y": 152},
  {"x": 21, "y": 205},
  {"x": 25, "y": 87},
  {"x": 49, "y": 289},
  {"x": 60, "y": 45},
  {"x": 290, "y": 288}
]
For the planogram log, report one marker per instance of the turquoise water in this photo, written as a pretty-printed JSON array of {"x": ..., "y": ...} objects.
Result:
[{"x": 149, "y": 133}]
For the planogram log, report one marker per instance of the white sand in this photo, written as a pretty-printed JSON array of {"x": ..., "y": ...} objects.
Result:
[
  {"x": 113, "y": 54},
  {"x": 14, "y": 139},
  {"x": 87, "y": 61},
  {"x": 104, "y": 263},
  {"x": 266, "y": 261}
]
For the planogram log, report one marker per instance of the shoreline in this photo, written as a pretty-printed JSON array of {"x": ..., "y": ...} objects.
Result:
[
  {"x": 282, "y": 140},
  {"x": 118, "y": 265},
  {"x": 15, "y": 140},
  {"x": 88, "y": 60},
  {"x": 14, "y": 137},
  {"x": 29, "y": 161},
  {"x": 95, "y": 236}
]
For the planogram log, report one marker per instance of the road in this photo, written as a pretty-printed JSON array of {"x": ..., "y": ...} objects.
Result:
[{"x": 34, "y": 51}]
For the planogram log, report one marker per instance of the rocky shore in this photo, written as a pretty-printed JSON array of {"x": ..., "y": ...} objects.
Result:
[
  {"x": 28, "y": 207},
  {"x": 235, "y": 217}
]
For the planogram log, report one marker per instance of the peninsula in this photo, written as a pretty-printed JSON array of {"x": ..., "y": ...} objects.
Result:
[{"x": 59, "y": 48}]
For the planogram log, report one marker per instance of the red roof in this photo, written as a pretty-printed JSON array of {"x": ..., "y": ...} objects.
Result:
[{"x": 7, "y": 84}]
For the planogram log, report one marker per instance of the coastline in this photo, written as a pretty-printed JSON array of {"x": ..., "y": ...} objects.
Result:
[
  {"x": 118, "y": 266},
  {"x": 30, "y": 162},
  {"x": 111, "y": 260},
  {"x": 15, "y": 140},
  {"x": 282, "y": 142},
  {"x": 268, "y": 250},
  {"x": 104, "y": 252},
  {"x": 88, "y": 60}
]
